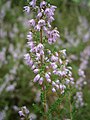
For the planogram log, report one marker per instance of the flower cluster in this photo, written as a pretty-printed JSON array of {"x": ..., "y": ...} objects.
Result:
[
  {"x": 25, "y": 114},
  {"x": 50, "y": 67},
  {"x": 43, "y": 20}
]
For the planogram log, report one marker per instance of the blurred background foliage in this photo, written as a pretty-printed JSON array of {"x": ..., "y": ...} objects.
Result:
[{"x": 72, "y": 19}]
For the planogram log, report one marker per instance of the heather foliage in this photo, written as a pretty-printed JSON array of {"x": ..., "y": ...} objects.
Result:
[{"x": 44, "y": 60}]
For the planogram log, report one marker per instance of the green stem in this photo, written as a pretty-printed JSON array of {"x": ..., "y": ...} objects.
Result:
[
  {"x": 45, "y": 106},
  {"x": 71, "y": 117}
]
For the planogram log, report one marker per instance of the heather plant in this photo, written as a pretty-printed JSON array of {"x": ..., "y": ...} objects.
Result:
[
  {"x": 17, "y": 86},
  {"x": 50, "y": 66}
]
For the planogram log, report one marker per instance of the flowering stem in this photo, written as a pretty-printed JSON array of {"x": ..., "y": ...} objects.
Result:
[
  {"x": 45, "y": 109},
  {"x": 41, "y": 41}
]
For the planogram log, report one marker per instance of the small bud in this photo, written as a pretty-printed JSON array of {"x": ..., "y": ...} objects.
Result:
[
  {"x": 53, "y": 90},
  {"x": 37, "y": 77}
]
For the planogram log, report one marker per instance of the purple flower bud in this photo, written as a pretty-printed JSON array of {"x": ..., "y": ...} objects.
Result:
[
  {"x": 31, "y": 44},
  {"x": 41, "y": 52},
  {"x": 33, "y": 3},
  {"x": 40, "y": 47},
  {"x": 41, "y": 80},
  {"x": 39, "y": 15},
  {"x": 49, "y": 25},
  {"x": 26, "y": 111},
  {"x": 53, "y": 83},
  {"x": 37, "y": 77},
  {"x": 53, "y": 65},
  {"x": 49, "y": 52},
  {"x": 48, "y": 12},
  {"x": 32, "y": 22},
  {"x": 41, "y": 23},
  {"x": 38, "y": 56},
  {"x": 42, "y": 4},
  {"x": 50, "y": 19},
  {"x": 30, "y": 63},
  {"x": 62, "y": 87},
  {"x": 26, "y": 9},
  {"x": 45, "y": 29},
  {"x": 53, "y": 90},
  {"x": 27, "y": 56},
  {"x": 47, "y": 76},
  {"x": 21, "y": 113},
  {"x": 61, "y": 73},
  {"x": 33, "y": 49},
  {"x": 33, "y": 67},
  {"x": 54, "y": 58},
  {"x": 67, "y": 81},
  {"x": 36, "y": 71},
  {"x": 50, "y": 41},
  {"x": 49, "y": 80},
  {"x": 57, "y": 86},
  {"x": 37, "y": 27},
  {"x": 29, "y": 36},
  {"x": 55, "y": 72},
  {"x": 53, "y": 8}
]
